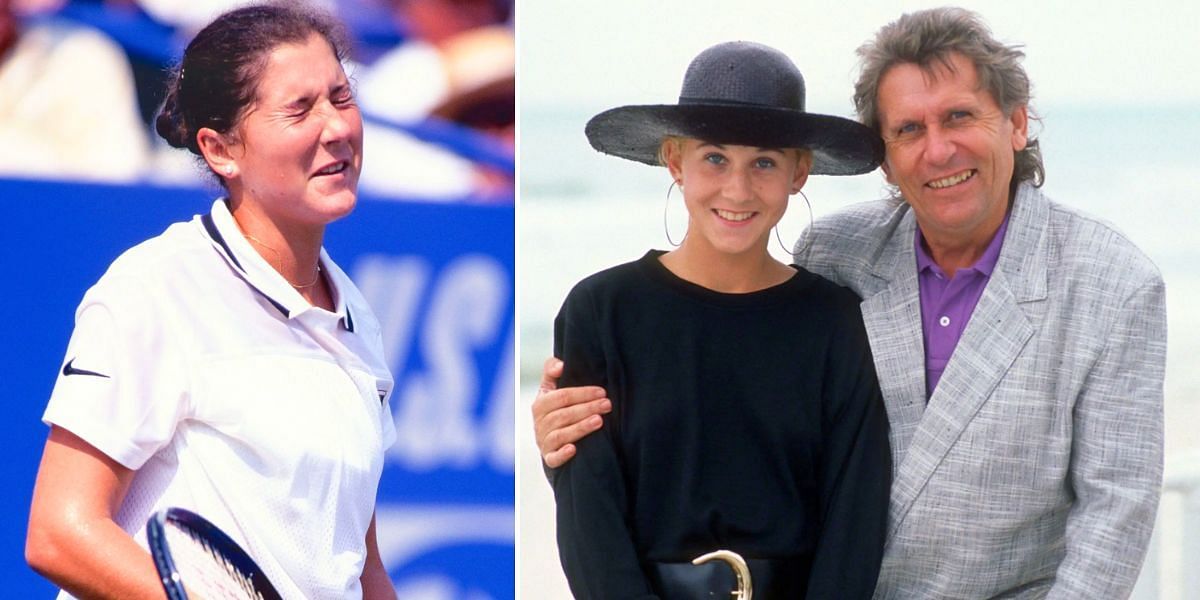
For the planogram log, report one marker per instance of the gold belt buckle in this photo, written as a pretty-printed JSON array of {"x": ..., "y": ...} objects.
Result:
[{"x": 745, "y": 588}]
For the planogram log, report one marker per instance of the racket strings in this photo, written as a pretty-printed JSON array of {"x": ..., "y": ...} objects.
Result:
[{"x": 205, "y": 570}]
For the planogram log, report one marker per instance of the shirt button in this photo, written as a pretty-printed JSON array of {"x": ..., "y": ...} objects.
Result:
[{"x": 944, "y": 321}]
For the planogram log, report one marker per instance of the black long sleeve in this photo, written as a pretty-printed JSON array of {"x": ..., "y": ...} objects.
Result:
[
  {"x": 851, "y": 485},
  {"x": 750, "y": 422},
  {"x": 594, "y": 540}
]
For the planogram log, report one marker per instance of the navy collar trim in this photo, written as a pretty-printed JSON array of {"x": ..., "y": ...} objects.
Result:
[
  {"x": 210, "y": 227},
  {"x": 215, "y": 234}
]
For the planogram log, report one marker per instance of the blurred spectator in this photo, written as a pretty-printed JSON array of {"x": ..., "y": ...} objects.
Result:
[
  {"x": 189, "y": 16},
  {"x": 441, "y": 53},
  {"x": 67, "y": 101},
  {"x": 481, "y": 76},
  {"x": 457, "y": 63}
]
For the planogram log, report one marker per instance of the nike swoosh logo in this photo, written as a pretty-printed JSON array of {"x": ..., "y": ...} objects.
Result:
[{"x": 68, "y": 369}]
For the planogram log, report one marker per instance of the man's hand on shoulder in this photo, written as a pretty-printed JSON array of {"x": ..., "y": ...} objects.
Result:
[{"x": 563, "y": 417}]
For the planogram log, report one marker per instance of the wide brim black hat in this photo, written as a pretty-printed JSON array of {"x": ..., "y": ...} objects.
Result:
[{"x": 745, "y": 94}]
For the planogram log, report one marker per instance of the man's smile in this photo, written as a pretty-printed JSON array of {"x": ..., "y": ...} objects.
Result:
[{"x": 952, "y": 180}]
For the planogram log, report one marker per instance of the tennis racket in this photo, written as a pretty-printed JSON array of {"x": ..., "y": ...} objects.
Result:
[{"x": 189, "y": 551}]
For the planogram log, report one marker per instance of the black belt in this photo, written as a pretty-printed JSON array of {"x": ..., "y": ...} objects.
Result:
[{"x": 782, "y": 578}]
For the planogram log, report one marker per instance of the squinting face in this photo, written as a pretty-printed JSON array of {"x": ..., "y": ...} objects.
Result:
[
  {"x": 299, "y": 149},
  {"x": 950, "y": 148},
  {"x": 734, "y": 194}
]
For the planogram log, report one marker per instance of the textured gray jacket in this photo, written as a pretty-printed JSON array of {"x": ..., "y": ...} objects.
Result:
[{"x": 1035, "y": 469}]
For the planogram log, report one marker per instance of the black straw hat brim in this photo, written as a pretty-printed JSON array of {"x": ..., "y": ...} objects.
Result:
[{"x": 840, "y": 146}]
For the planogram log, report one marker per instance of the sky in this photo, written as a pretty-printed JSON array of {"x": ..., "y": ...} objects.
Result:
[{"x": 633, "y": 51}]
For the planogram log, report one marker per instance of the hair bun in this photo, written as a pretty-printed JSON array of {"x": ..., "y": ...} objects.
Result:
[{"x": 170, "y": 124}]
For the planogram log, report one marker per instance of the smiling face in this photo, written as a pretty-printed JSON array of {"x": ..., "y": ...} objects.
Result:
[
  {"x": 297, "y": 152},
  {"x": 734, "y": 194},
  {"x": 950, "y": 149}
]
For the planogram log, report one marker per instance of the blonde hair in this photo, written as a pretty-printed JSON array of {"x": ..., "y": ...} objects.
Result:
[{"x": 675, "y": 141}]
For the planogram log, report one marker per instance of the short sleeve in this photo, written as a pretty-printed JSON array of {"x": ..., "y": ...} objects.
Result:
[{"x": 121, "y": 387}]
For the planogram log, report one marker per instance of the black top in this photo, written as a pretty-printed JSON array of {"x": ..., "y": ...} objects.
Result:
[{"x": 748, "y": 422}]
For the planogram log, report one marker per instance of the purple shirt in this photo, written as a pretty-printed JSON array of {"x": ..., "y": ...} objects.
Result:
[{"x": 947, "y": 302}]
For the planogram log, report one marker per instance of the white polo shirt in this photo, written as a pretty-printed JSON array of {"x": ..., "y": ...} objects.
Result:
[{"x": 196, "y": 364}]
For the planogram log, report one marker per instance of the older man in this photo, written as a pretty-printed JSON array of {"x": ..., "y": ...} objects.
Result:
[{"x": 1027, "y": 435}]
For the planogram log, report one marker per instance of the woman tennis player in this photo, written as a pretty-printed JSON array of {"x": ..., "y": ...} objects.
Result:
[
  {"x": 746, "y": 417},
  {"x": 228, "y": 366}
]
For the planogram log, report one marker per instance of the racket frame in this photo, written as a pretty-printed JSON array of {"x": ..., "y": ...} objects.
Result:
[{"x": 219, "y": 541}]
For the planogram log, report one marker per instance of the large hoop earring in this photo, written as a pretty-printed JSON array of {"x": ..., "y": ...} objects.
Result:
[
  {"x": 810, "y": 224},
  {"x": 667, "y": 230}
]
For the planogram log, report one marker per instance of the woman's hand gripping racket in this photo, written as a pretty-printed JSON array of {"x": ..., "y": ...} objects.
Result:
[{"x": 189, "y": 551}]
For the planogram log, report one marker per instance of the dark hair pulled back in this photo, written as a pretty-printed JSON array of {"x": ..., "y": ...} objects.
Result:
[{"x": 217, "y": 78}]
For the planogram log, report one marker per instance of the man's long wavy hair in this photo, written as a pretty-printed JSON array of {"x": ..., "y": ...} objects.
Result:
[{"x": 928, "y": 36}]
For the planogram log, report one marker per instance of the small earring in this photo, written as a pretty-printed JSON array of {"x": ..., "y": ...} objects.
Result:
[
  {"x": 229, "y": 170},
  {"x": 810, "y": 224}
]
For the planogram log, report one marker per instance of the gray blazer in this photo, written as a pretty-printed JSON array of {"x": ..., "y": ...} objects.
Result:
[{"x": 1034, "y": 471}]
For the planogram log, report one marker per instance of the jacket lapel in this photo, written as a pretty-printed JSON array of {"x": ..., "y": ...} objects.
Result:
[
  {"x": 892, "y": 316},
  {"x": 998, "y": 330}
]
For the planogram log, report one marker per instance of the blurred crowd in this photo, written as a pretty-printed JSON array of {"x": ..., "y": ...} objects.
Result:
[{"x": 81, "y": 81}]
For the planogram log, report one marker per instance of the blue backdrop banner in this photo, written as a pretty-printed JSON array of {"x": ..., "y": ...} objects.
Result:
[{"x": 440, "y": 279}]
